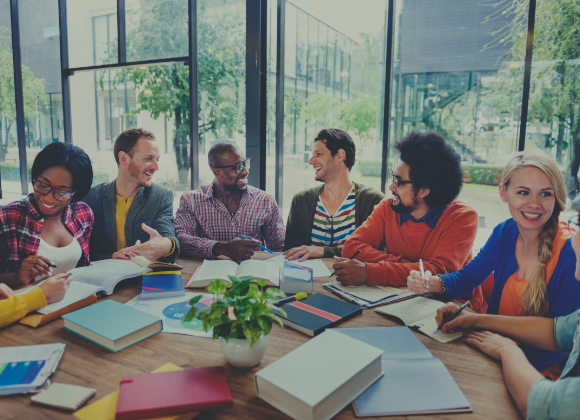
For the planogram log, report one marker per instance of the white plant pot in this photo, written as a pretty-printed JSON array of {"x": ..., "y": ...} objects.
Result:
[{"x": 239, "y": 353}]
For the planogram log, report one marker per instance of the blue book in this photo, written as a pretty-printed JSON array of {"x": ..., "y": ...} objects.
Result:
[
  {"x": 162, "y": 284},
  {"x": 414, "y": 382},
  {"x": 112, "y": 325}
]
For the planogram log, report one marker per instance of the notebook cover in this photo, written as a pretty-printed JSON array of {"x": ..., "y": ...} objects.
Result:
[
  {"x": 318, "y": 312},
  {"x": 65, "y": 396},
  {"x": 36, "y": 320},
  {"x": 162, "y": 284},
  {"x": 169, "y": 393},
  {"x": 104, "y": 318},
  {"x": 104, "y": 408}
]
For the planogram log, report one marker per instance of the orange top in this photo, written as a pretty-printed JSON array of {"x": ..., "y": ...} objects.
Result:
[{"x": 510, "y": 304}]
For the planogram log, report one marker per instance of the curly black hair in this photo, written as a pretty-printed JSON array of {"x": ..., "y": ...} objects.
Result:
[{"x": 433, "y": 165}]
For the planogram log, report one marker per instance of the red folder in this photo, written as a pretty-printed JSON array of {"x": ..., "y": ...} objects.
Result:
[{"x": 169, "y": 393}]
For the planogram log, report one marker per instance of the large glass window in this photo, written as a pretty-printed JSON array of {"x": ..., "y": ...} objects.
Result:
[
  {"x": 337, "y": 81},
  {"x": 451, "y": 75}
]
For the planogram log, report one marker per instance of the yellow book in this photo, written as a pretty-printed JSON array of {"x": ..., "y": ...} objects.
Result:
[{"x": 104, "y": 409}]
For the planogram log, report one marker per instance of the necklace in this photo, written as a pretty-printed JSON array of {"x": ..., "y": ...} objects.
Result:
[{"x": 53, "y": 217}]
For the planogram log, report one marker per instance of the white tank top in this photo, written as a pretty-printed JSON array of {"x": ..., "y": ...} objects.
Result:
[{"x": 65, "y": 258}]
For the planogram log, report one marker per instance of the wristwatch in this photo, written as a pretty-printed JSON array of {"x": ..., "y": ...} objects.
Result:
[{"x": 443, "y": 291}]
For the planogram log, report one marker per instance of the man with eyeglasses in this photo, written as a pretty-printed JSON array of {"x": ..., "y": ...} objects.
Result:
[
  {"x": 423, "y": 220},
  {"x": 215, "y": 219},
  {"x": 322, "y": 218},
  {"x": 133, "y": 216}
]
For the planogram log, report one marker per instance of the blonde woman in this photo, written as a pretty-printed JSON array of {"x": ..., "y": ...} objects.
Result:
[{"x": 530, "y": 254}]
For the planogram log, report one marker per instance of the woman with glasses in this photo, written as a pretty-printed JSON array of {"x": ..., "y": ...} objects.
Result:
[
  {"x": 48, "y": 232},
  {"x": 530, "y": 255}
]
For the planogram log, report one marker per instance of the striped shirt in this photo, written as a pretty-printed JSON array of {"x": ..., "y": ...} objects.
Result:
[{"x": 334, "y": 230}]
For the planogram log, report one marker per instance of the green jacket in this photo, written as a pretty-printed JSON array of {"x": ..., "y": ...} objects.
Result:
[{"x": 303, "y": 208}]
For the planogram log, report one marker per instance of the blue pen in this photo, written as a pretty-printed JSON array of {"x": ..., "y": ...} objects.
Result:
[{"x": 259, "y": 246}]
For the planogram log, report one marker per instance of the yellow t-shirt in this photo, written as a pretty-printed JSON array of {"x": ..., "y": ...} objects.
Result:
[{"x": 121, "y": 210}]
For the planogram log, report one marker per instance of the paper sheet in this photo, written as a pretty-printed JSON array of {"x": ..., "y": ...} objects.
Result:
[
  {"x": 318, "y": 267},
  {"x": 76, "y": 291},
  {"x": 370, "y": 293}
]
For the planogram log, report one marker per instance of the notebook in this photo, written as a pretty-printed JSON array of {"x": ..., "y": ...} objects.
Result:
[
  {"x": 316, "y": 313},
  {"x": 64, "y": 396},
  {"x": 221, "y": 269},
  {"x": 112, "y": 325},
  {"x": 104, "y": 408},
  {"x": 414, "y": 382},
  {"x": 419, "y": 313},
  {"x": 141, "y": 261},
  {"x": 170, "y": 393},
  {"x": 321, "y": 377},
  {"x": 162, "y": 284}
]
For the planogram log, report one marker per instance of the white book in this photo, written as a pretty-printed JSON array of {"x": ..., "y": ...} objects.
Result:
[
  {"x": 64, "y": 396},
  {"x": 211, "y": 270},
  {"x": 141, "y": 261},
  {"x": 321, "y": 377},
  {"x": 419, "y": 313}
]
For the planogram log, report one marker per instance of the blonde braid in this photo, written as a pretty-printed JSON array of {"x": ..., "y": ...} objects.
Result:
[{"x": 533, "y": 296}]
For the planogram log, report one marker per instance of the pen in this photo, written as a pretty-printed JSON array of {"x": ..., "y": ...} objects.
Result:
[
  {"x": 297, "y": 296},
  {"x": 351, "y": 258},
  {"x": 259, "y": 246},
  {"x": 52, "y": 265},
  {"x": 453, "y": 316},
  {"x": 422, "y": 272}
]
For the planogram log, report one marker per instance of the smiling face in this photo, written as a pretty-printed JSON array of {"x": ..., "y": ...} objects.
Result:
[
  {"x": 405, "y": 199},
  {"x": 57, "y": 177},
  {"x": 228, "y": 177},
  {"x": 530, "y": 197},
  {"x": 144, "y": 162},
  {"x": 325, "y": 165}
]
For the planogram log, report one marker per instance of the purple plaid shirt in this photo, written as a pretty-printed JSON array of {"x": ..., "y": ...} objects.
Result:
[
  {"x": 202, "y": 221},
  {"x": 21, "y": 227}
]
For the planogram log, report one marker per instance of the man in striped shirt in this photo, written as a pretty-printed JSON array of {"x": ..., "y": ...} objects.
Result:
[
  {"x": 322, "y": 218},
  {"x": 214, "y": 219}
]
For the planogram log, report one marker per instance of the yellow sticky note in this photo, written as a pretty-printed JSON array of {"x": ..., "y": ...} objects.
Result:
[{"x": 104, "y": 409}]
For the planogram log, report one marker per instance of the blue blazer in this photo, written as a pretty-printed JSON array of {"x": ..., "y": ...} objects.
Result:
[
  {"x": 498, "y": 257},
  {"x": 152, "y": 205}
]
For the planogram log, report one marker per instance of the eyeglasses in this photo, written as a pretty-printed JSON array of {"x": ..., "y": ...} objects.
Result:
[
  {"x": 573, "y": 224},
  {"x": 43, "y": 189},
  {"x": 398, "y": 182},
  {"x": 329, "y": 225},
  {"x": 239, "y": 166}
]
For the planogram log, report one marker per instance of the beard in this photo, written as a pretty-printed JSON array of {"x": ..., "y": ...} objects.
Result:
[
  {"x": 327, "y": 173},
  {"x": 401, "y": 208},
  {"x": 136, "y": 173},
  {"x": 234, "y": 187}
]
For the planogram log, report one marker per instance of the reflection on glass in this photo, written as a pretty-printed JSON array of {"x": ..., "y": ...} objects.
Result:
[
  {"x": 451, "y": 75},
  {"x": 332, "y": 79}
]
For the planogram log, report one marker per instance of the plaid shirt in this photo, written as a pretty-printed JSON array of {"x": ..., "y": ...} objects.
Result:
[
  {"x": 21, "y": 227},
  {"x": 202, "y": 221}
]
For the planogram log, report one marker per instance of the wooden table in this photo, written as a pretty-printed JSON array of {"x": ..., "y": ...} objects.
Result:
[{"x": 87, "y": 364}]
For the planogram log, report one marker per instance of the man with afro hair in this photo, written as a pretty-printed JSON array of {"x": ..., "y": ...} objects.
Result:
[{"x": 423, "y": 220}]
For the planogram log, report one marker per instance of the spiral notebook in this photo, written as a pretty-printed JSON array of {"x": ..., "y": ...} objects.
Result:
[{"x": 67, "y": 397}]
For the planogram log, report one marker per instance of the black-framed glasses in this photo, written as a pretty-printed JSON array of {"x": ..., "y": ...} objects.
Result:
[
  {"x": 43, "y": 189},
  {"x": 328, "y": 221},
  {"x": 398, "y": 182},
  {"x": 238, "y": 166},
  {"x": 573, "y": 224}
]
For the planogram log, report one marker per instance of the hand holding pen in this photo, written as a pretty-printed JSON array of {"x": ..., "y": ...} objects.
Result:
[
  {"x": 350, "y": 272},
  {"x": 450, "y": 317},
  {"x": 258, "y": 245}
]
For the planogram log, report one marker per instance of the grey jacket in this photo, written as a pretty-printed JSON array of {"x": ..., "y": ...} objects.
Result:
[
  {"x": 152, "y": 205},
  {"x": 303, "y": 208}
]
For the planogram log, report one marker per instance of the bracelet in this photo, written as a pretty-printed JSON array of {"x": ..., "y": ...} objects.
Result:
[{"x": 443, "y": 291}]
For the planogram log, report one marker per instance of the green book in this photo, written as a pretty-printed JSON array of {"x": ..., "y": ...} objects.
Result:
[{"x": 112, "y": 325}]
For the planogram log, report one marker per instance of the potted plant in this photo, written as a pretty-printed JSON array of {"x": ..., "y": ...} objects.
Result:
[{"x": 241, "y": 318}]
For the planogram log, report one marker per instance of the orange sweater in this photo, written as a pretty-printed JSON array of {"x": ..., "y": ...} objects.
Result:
[{"x": 445, "y": 249}]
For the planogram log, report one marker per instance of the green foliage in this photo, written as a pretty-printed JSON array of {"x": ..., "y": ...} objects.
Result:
[
  {"x": 484, "y": 175},
  {"x": 370, "y": 167},
  {"x": 10, "y": 171},
  {"x": 252, "y": 316}
]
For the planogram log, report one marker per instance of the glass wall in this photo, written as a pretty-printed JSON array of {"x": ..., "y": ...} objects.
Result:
[
  {"x": 9, "y": 160},
  {"x": 451, "y": 73},
  {"x": 333, "y": 70}
]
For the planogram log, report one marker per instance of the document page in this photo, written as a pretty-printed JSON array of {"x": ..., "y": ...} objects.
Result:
[
  {"x": 428, "y": 326},
  {"x": 370, "y": 293},
  {"x": 216, "y": 269},
  {"x": 412, "y": 310},
  {"x": 318, "y": 267},
  {"x": 76, "y": 291},
  {"x": 261, "y": 270}
]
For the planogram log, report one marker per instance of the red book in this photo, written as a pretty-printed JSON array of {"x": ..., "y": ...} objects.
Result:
[{"x": 168, "y": 393}]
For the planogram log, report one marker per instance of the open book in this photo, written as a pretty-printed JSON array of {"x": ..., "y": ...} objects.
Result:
[
  {"x": 419, "y": 313},
  {"x": 141, "y": 261},
  {"x": 221, "y": 269},
  {"x": 90, "y": 280}
]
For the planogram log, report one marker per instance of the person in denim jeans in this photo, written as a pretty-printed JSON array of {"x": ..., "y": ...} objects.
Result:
[{"x": 537, "y": 397}]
